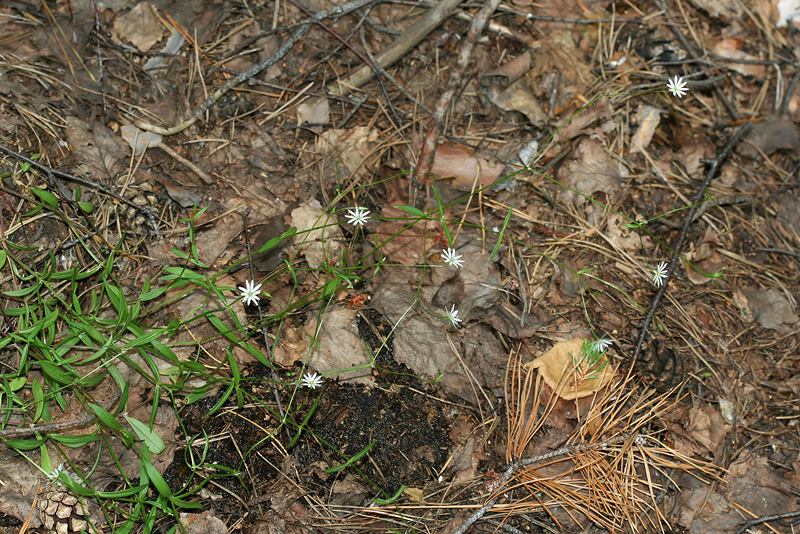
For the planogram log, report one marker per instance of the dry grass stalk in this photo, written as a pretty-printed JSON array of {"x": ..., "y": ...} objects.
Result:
[{"x": 614, "y": 470}]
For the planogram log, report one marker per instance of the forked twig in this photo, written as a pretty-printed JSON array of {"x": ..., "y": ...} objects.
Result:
[
  {"x": 51, "y": 172},
  {"x": 511, "y": 469},
  {"x": 765, "y": 519},
  {"x": 257, "y": 68},
  {"x": 676, "y": 252},
  {"x": 425, "y": 162},
  {"x": 19, "y": 432}
]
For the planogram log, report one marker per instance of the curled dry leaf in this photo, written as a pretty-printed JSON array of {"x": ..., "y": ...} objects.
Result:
[
  {"x": 318, "y": 236},
  {"x": 729, "y": 48},
  {"x": 648, "y": 118},
  {"x": 561, "y": 369},
  {"x": 139, "y": 26}
]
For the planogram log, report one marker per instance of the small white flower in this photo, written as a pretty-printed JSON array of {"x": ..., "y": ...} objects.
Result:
[
  {"x": 677, "y": 87},
  {"x": 53, "y": 475},
  {"x": 452, "y": 316},
  {"x": 660, "y": 274},
  {"x": 640, "y": 440},
  {"x": 357, "y": 216},
  {"x": 600, "y": 345},
  {"x": 451, "y": 258},
  {"x": 312, "y": 380},
  {"x": 250, "y": 292}
]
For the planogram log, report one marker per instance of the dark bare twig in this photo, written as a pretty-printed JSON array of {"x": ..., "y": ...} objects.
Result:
[
  {"x": 368, "y": 61},
  {"x": 662, "y": 4},
  {"x": 391, "y": 78},
  {"x": 765, "y": 519},
  {"x": 779, "y": 251},
  {"x": 425, "y": 162},
  {"x": 19, "y": 432},
  {"x": 399, "y": 47},
  {"x": 147, "y": 212},
  {"x": 789, "y": 91},
  {"x": 257, "y": 68},
  {"x": 510, "y": 469},
  {"x": 712, "y": 171}
]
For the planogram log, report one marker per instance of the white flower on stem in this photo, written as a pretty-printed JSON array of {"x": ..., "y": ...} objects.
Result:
[
  {"x": 53, "y": 475},
  {"x": 357, "y": 216},
  {"x": 311, "y": 380},
  {"x": 250, "y": 292},
  {"x": 452, "y": 316},
  {"x": 451, "y": 258},
  {"x": 677, "y": 87},
  {"x": 660, "y": 274},
  {"x": 600, "y": 345}
]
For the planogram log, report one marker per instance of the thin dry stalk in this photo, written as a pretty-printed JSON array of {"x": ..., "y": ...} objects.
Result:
[
  {"x": 610, "y": 472},
  {"x": 524, "y": 397}
]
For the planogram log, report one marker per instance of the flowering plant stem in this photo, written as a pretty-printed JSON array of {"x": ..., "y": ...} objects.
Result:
[{"x": 712, "y": 171}]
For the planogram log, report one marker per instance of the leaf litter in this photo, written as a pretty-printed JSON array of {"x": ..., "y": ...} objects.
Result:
[{"x": 420, "y": 378}]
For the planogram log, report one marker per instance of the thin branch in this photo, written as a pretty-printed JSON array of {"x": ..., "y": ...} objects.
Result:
[
  {"x": 712, "y": 171},
  {"x": 425, "y": 162},
  {"x": 257, "y": 68},
  {"x": 764, "y": 519},
  {"x": 511, "y": 468}
]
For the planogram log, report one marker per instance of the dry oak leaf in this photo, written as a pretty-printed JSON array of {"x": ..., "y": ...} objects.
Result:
[
  {"x": 560, "y": 371},
  {"x": 139, "y": 26}
]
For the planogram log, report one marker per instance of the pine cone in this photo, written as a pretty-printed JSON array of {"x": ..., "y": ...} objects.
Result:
[{"x": 61, "y": 512}]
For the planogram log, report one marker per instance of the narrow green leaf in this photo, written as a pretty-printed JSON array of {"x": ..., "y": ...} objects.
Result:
[
  {"x": 391, "y": 499},
  {"x": 74, "y": 441},
  {"x": 272, "y": 243},
  {"x": 25, "y": 444},
  {"x": 186, "y": 504},
  {"x": 355, "y": 458},
  {"x": 3, "y": 257},
  {"x": 38, "y": 399},
  {"x": 46, "y": 196},
  {"x": 150, "y": 438},
  {"x": 55, "y": 372},
  {"x": 17, "y": 383},
  {"x": 500, "y": 235},
  {"x": 106, "y": 418},
  {"x": 87, "y": 207},
  {"x": 412, "y": 210},
  {"x": 158, "y": 481},
  {"x": 304, "y": 423}
]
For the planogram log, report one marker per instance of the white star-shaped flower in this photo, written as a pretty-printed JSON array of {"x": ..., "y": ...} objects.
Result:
[
  {"x": 600, "y": 345},
  {"x": 311, "y": 380},
  {"x": 250, "y": 292},
  {"x": 660, "y": 274},
  {"x": 53, "y": 475},
  {"x": 452, "y": 316},
  {"x": 451, "y": 258},
  {"x": 677, "y": 87},
  {"x": 357, "y": 216}
]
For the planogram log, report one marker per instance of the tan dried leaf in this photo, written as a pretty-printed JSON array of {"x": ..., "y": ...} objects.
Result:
[
  {"x": 139, "y": 26},
  {"x": 561, "y": 369},
  {"x": 648, "y": 118}
]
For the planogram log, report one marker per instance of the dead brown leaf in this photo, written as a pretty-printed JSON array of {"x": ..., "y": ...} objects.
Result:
[
  {"x": 592, "y": 169},
  {"x": 318, "y": 236},
  {"x": 348, "y": 151},
  {"x": 139, "y": 26},
  {"x": 648, "y": 118},
  {"x": 464, "y": 167},
  {"x": 707, "y": 427},
  {"x": 730, "y": 48},
  {"x": 562, "y": 370},
  {"x": 770, "y": 308}
]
